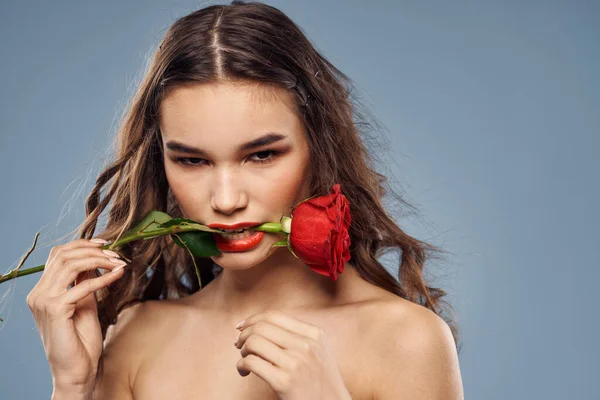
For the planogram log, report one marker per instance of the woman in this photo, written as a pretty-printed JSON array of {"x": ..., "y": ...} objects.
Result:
[{"x": 237, "y": 120}]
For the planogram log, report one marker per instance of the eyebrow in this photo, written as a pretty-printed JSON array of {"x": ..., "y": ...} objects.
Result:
[{"x": 269, "y": 138}]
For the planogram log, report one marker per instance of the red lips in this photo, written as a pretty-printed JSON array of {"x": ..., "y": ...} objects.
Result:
[{"x": 226, "y": 244}]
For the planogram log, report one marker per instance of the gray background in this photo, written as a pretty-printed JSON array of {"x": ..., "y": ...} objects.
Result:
[{"x": 491, "y": 109}]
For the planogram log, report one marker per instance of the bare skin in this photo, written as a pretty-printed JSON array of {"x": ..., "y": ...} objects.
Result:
[
  {"x": 180, "y": 349},
  {"x": 304, "y": 336},
  {"x": 190, "y": 347}
]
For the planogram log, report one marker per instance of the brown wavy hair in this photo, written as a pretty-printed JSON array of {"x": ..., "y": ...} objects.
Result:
[{"x": 248, "y": 42}]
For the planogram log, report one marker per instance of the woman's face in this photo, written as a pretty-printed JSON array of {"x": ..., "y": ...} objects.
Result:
[{"x": 235, "y": 153}]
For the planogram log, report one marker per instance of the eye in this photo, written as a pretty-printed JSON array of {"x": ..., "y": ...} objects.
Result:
[
  {"x": 261, "y": 157},
  {"x": 265, "y": 156},
  {"x": 186, "y": 161}
]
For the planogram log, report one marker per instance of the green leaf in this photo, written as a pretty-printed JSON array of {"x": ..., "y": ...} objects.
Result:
[
  {"x": 178, "y": 241},
  {"x": 200, "y": 244},
  {"x": 151, "y": 222}
]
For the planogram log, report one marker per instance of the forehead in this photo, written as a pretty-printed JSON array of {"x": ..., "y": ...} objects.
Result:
[{"x": 229, "y": 112}]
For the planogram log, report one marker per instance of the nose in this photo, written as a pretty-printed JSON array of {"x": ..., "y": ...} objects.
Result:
[{"x": 227, "y": 194}]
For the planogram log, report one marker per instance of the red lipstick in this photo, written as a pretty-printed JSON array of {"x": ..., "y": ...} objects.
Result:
[{"x": 227, "y": 244}]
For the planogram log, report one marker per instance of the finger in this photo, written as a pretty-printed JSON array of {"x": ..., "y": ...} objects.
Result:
[
  {"x": 285, "y": 321},
  {"x": 275, "y": 334},
  {"x": 68, "y": 264},
  {"x": 56, "y": 259},
  {"x": 57, "y": 252},
  {"x": 96, "y": 242},
  {"x": 268, "y": 351},
  {"x": 62, "y": 256},
  {"x": 74, "y": 267},
  {"x": 262, "y": 368},
  {"x": 113, "y": 256},
  {"x": 76, "y": 244},
  {"x": 79, "y": 253},
  {"x": 81, "y": 290}
]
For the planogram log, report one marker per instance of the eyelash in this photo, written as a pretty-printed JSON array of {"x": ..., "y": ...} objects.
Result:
[{"x": 272, "y": 154}]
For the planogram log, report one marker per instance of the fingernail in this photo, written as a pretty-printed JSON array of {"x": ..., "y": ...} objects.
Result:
[
  {"x": 99, "y": 241},
  {"x": 239, "y": 324},
  {"x": 118, "y": 268},
  {"x": 111, "y": 253},
  {"x": 117, "y": 261}
]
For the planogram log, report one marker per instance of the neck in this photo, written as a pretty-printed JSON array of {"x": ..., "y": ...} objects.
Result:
[{"x": 280, "y": 282}]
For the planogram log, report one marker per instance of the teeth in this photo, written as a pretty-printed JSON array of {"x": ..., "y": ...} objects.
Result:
[{"x": 243, "y": 235}]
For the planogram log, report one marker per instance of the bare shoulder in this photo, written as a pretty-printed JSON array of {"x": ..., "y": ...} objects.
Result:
[
  {"x": 125, "y": 346},
  {"x": 138, "y": 326},
  {"x": 414, "y": 354}
]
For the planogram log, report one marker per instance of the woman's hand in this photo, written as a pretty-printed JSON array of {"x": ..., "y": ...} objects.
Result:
[
  {"x": 67, "y": 319},
  {"x": 292, "y": 356}
]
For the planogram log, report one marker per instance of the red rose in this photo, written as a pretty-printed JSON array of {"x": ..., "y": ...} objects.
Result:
[{"x": 319, "y": 233}]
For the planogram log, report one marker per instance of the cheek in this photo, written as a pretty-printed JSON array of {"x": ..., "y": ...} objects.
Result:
[
  {"x": 286, "y": 185},
  {"x": 184, "y": 193}
]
